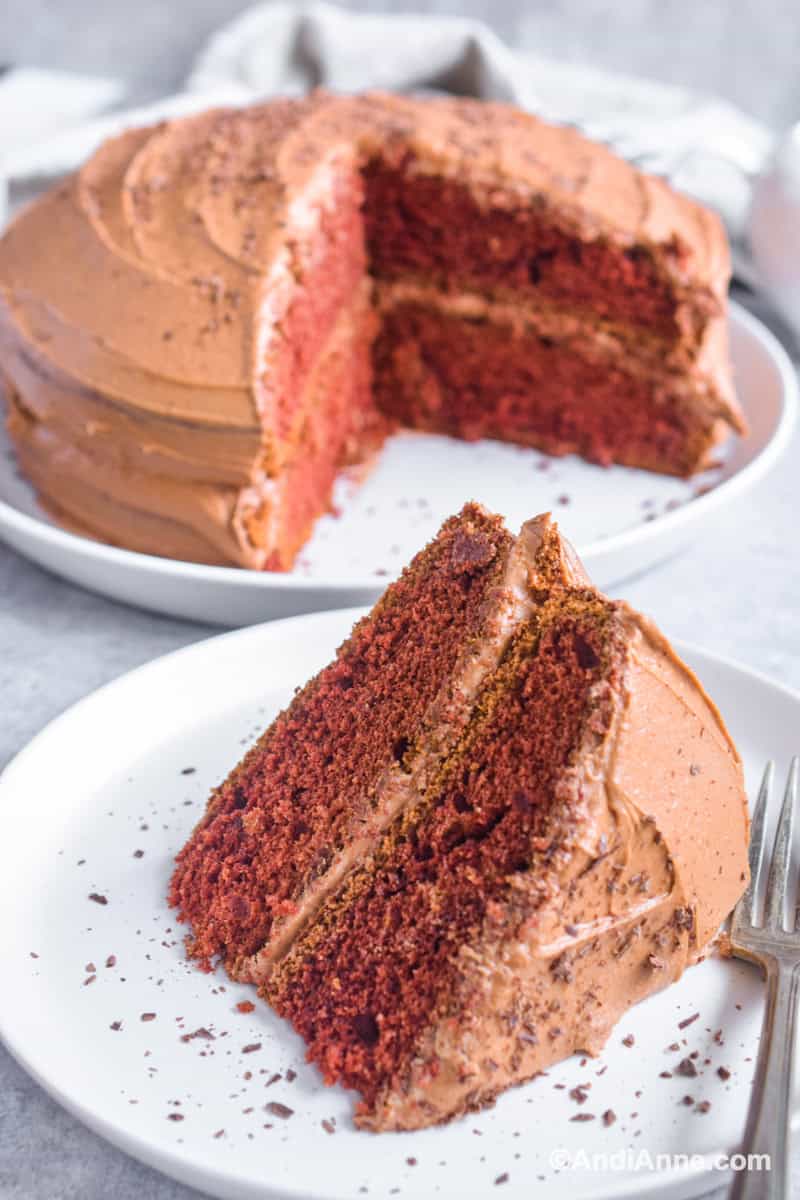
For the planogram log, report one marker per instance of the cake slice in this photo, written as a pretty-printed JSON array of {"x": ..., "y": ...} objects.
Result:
[{"x": 504, "y": 813}]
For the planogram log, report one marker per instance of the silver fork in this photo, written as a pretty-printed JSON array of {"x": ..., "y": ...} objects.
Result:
[{"x": 776, "y": 948}]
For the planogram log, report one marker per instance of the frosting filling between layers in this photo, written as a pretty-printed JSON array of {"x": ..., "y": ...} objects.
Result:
[{"x": 592, "y": 337}]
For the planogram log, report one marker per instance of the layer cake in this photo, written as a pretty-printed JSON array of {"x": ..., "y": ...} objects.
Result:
[
  {"x": 167, "y": 314},
  {"x": 504, "y": 813}
]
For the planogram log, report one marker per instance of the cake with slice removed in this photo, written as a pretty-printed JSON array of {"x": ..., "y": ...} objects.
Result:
[
  {"x": 170, "y": 313},
  {"x": 504, "y": 813}
]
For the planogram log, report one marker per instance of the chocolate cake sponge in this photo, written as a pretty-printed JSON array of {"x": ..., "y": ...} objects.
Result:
[{"x": 504, "y": 813}]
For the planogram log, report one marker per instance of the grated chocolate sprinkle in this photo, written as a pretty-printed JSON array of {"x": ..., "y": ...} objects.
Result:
[{"x": 279, "y": 1110}]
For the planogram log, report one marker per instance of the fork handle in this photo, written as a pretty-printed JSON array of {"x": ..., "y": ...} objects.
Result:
[{"x": 767, "y": 1130}]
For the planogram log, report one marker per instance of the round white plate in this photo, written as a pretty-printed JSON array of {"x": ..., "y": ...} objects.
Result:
[
  {"x": 98, "y": 804},
  {"x": 622, "y": 521}
]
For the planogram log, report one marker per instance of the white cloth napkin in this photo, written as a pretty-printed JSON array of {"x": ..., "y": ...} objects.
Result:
[{"x": 703, "y": 144}]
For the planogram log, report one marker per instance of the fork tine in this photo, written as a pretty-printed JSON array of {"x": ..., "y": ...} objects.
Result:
[
  {"x": 744, "y": 913},
  {"x": 781, "y": 855}
]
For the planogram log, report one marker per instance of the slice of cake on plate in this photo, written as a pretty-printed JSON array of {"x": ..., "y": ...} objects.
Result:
[{"x": 504, "y": 813}]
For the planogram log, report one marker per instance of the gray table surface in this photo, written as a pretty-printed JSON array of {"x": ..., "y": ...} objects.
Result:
[{"x": 737, "y": 591}]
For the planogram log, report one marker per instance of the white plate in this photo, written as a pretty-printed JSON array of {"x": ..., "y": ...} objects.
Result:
[
  {"x": 109, "y": 778},
  {"x": 622, "y": 521}
]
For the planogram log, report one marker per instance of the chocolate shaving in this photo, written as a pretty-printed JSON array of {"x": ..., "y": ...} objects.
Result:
[
  {"x": 560, "y": 969},
  {"x": 279, "y": 1110},
  {"x": 683, "y": 918},
  {"x": 202, "y": 1032}
]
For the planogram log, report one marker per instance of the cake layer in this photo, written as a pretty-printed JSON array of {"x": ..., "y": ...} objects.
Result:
[
  {"x": 281, "y": 829},
  {"x": 486, "y": 373},
  {"x": 441, "y": 230},
  {"x": 504, "y": 813},
  {"x": 597, "y": 340}
]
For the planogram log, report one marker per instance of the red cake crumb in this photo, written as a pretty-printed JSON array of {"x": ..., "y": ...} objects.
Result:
[
  {"x": 284, "y": 816},
  {"x": 430, "y": 227},
  {"x": 476, "y": 379}
]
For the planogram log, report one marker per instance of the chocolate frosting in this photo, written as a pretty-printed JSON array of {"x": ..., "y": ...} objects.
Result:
[{"x": 141, "y": 300}]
